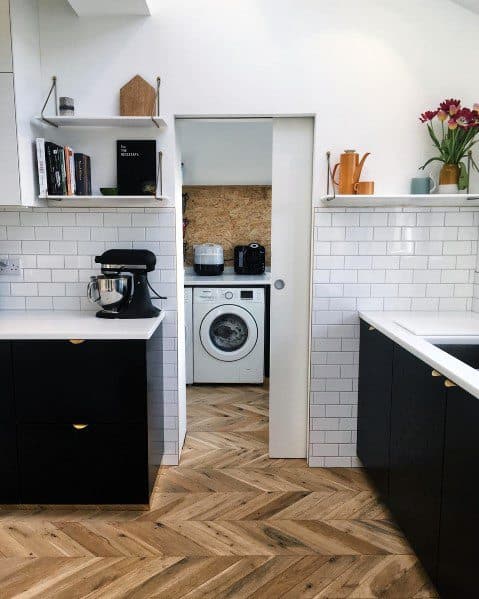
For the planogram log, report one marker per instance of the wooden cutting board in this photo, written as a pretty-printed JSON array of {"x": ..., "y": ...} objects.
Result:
[{"x": 137, "y": 98}]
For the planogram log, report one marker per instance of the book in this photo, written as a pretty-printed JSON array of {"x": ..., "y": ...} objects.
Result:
[
  {"x": 136, "y": 167},
  {"x": 41, "y": 167},
  {"x": 63, "y": 172},
  {"x": 88, "y": 175},
  {"x": 53, "y": 168},
  {"x": 82, "y": 174},
  {"x": 70, "y": 173}
]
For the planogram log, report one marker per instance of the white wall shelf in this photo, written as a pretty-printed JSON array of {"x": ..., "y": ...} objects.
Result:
[
  {"x": 460, "y": 199},
  {"x": 103, "y": 121},
  {"x": 100, "y": 201},
  {"x": 111, "y": 8}
]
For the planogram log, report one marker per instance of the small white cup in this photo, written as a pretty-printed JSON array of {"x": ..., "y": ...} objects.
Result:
[{"x": 450, "y": 189}]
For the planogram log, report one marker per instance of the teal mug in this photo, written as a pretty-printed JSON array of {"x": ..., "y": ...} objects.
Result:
[{"x": 422, "y": 185}]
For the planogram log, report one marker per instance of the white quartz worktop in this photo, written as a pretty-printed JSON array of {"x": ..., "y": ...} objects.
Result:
[
  {"x": 56, "y": 324},
  {"x": 434, "y": 328},
  {"x": 225, "y": 279}
]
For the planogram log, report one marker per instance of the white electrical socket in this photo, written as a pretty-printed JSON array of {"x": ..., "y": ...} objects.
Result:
[{"x": 10, "y": 267}]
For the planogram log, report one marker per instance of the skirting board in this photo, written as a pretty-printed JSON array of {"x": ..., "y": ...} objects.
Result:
[{"x": 169, "y": 460}]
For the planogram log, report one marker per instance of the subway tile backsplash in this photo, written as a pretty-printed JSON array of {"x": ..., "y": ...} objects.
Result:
[
  {"x": 364, "y": 259},
  {"x": 377, "y": 259},
  {"x": 57, "y": 249}
]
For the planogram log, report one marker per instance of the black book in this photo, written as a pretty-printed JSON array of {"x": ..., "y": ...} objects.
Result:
[
  {"x": 136, "y": 167},
  {"x": 54, "y": 173},
  {"x": 83, "y": 187},
  {"x": 88, "y": 175},
  {"x": 62, "y": 168}
]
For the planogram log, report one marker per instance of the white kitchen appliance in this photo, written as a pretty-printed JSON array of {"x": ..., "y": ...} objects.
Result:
[
  {"x": 189, "y": 334},
  {"x": 228, "y": 335},
  {"x": 209, "y": 259}
]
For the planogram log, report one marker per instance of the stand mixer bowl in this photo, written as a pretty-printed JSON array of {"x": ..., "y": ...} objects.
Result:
[{"x": 111, "y": 292}]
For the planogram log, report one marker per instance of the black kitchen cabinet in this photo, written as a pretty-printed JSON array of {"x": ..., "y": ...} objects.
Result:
[
  {"x": 79, "y": 420},
  {"x": 416, "y": 453},
  {"x": 431, "y": 458},
  {"x": 8, "y": 442},
  {"x": 459, "y": 515},
  {"x": 374, "y": 405}
]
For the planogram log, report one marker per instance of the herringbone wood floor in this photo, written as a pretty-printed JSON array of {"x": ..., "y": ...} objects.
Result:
[{"x": 227, "y": 523}]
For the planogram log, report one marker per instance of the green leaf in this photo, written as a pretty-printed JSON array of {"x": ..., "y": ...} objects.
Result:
[
  {"x": 463, "y": 176},
  {"x": 439, "y": 158},
  {"x": 432, "y": 135}
]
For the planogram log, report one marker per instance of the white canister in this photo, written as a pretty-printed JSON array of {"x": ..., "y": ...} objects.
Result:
[{"x": 209, "y": 259}]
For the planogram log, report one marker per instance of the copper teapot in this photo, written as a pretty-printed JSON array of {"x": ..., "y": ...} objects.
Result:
[{"x": 350, "y": 168}]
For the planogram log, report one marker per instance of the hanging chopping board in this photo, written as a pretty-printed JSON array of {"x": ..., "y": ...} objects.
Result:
[{"x": 137, "y": 98}]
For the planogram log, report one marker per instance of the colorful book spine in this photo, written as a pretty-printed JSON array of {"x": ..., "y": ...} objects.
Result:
[
  {"x": 70, "y": 174},
  {"x": 53, "y": 168},
  {"x": 42, "y": 167},
  {"x": 72, "y": 171},
  {"x": 83, "y": 174}
]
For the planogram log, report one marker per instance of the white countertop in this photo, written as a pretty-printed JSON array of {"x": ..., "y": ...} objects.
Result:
[
  {"x": 433, "y": 327},
  {"x": 56, "y": 324},
  {"x": 227, "y": 278}
]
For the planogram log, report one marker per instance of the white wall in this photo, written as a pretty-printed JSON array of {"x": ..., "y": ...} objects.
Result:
[
  {"x": 367, "y": 68},
  {"x": 226, "y": 152}
]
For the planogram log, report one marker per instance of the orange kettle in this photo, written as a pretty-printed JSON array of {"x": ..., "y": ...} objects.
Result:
[{"x": 350, "y": 168}]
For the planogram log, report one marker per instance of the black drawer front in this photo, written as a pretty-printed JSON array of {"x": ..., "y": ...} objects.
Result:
[
  {"x": 102, "y": 463},
  {"x": 93, "y": 381},
  {"x": 7, "y": 411},
  {"x": 8, "y": 465}
]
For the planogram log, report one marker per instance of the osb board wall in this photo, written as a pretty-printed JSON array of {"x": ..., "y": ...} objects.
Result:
[{"x": 229, "y": 215}]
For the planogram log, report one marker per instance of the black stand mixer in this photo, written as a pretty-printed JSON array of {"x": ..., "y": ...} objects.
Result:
[{"x": 123, "y": 289}]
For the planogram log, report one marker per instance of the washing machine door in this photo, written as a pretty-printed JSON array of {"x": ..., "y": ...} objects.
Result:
[{"x": 228, "y": 333}]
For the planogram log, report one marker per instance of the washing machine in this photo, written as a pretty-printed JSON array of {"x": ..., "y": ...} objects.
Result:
[{"x": 228, "y": 341}]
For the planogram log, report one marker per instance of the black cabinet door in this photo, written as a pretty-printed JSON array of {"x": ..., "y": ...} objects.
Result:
[
  {"x": 93, "y": 381},
  {"x": 457, "y": 576},
  {"x": 417, "y": 443},
  {"x": 101, "y": 463},
  {"x": 8, "y": 439},
  {"x": 375, "y": 380}
]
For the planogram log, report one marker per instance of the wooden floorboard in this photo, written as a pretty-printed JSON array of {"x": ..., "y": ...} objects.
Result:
[{"x": 228, "y": 522}]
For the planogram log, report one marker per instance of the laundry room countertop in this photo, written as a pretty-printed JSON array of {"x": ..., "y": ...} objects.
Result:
[
  {"x": 227, "y": 278},
  {"x": 58, "y": 324}
]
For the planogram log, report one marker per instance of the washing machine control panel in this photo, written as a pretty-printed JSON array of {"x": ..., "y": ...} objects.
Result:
[{"x": 236, "y": 295}]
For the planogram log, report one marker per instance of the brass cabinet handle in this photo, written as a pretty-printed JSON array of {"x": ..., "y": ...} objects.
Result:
[
  {"x": 435, "y": 373},
  {"x": 372, "y": 328},
  {"x": 80, "y": 427},
  {"x": 448, "y": 384},
  {"x": 76, "y": 341}
]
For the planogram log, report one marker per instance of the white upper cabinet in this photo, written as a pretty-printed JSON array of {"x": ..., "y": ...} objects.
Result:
[
  {"x": 20, "y": 100},
  {"x": 5, "y": 39},
  {"x": 10, "y": 188}
]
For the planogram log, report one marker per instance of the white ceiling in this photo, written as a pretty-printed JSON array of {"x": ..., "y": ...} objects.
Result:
[{"x": 470, "y": 4}]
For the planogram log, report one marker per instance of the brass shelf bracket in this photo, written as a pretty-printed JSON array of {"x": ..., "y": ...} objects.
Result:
[
  {"x": 157, "y": 115},
  {"x": 53, "y": 89}
]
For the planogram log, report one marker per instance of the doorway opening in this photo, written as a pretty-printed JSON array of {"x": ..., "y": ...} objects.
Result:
[{"x": 246, "y": 219}]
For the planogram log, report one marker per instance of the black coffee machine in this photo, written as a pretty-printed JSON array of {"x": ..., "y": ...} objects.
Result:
[{"x": 123, "y": 290}]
